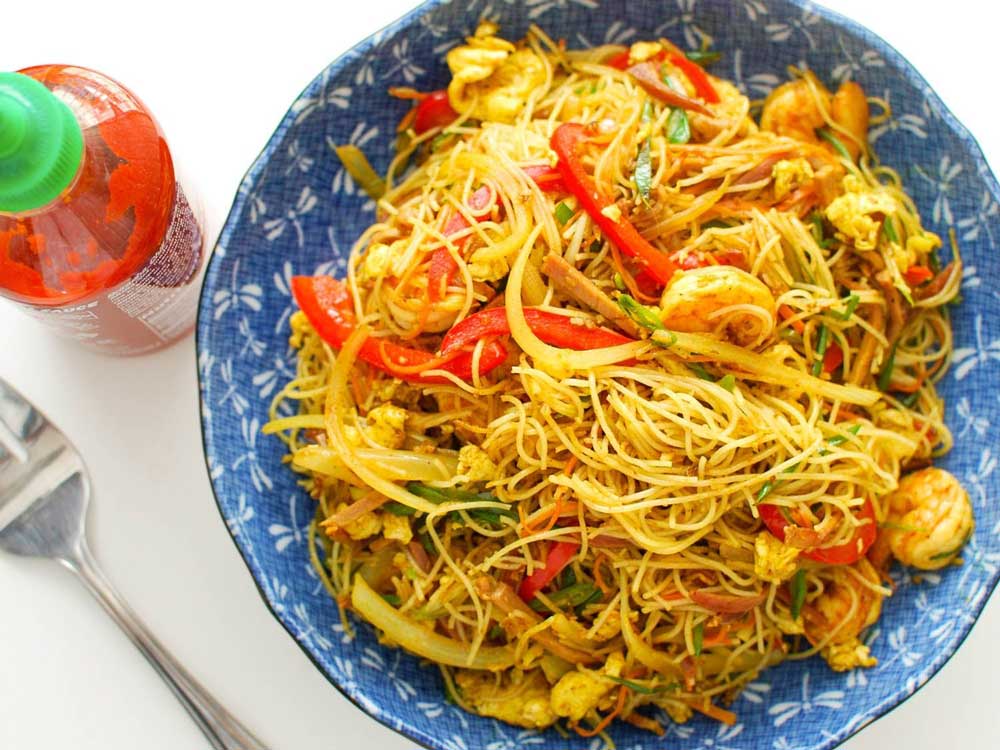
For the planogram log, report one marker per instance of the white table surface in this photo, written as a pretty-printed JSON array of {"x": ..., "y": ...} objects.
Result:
[{"x": 219, "y": 79}]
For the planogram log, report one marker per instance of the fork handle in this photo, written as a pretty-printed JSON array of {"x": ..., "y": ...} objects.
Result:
[{"x": 222, "y": 730}]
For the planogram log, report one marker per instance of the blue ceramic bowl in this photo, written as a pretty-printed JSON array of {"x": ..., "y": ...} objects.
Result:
[{"x": 298, "y": 212}]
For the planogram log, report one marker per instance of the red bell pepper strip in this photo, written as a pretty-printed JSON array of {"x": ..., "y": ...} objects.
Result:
[
  {"x": 698, "y": 78},
  {"x": 566, "y": 142},
  {"x": 442, "y": 266},
  {"x": 619, "y": 61},
  {"x": 917, "y": 275},
  {"x": 559, "y": 556},
  {"x": 647, "y": 75},
  {"x": 548, "y": 179},
  {"x": 552, "y": 328},
  {"x": 327, "y": 304},
  {"x": 840, "y": 554},
  {"x": 434, "y": 111},
  {"x": 833, "y": 358}
]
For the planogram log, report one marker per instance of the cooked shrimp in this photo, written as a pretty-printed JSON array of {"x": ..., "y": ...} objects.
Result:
[
  {"x": 796, "y": 109},
  {"x": 719, "y": 298},
  {"x": 930, "y": 519},
  {"x": 792, "y": 109},
  {"x": 849, "y": 109},
  {"x": 835, "y": 618}
]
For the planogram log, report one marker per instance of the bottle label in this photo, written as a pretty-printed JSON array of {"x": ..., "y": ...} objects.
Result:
[{"x": 157, "y": 305}]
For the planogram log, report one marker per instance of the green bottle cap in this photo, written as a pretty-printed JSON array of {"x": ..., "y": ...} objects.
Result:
[{"x": 41, "y": 145}]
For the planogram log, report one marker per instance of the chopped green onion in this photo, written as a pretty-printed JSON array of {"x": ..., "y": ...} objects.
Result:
[
  {"x": 890, "y": 230},
  {"x": 772, "y": 483},
  {"x": 850, "y": 306},
  {"x": 639, "y": 313},
  {"x": 571, "y": 596},
  {"x": 426, "y": 542},
  {"x": 700, "y": 371},
  {"x": 933, "y": 261},
  {"x": 619, "y": 282},
  {"x": 698, "y": 637},
  {"x": 827, "y": 135},
  {"x": 885, "y": 376},
  {"x": 703, "y": 56},
  {"x": 728, "y": 382},
  {"x": 644, "y": 158},
  {"x": 439, "y": 495},
  {"x": 398, "y": 509},
  {"x": 439, "y": 140},
  {"x": 361, "y": 170},
  {"x": 678, "y": 127},
  {"x": 765, "y": 490},
  {"x": 798, "y": 586},
  {"x": 495, "y": 632},
  {"x": 818, "y": 231},
  {"x": 643, "y": 689},
  {"x": 786, "y": 514},
  {"x": 392, "y": 599},
  {"x": 821, "y": 346},
  {"x": 841, "y": 439},
  {"x": 717, "y": 224},
  {"x": 910, "y": 400},
  {"x": 563, "y": 213}
]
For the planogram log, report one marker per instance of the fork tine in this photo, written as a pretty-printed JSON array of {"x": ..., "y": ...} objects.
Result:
[{"x": 17, "y": 417}]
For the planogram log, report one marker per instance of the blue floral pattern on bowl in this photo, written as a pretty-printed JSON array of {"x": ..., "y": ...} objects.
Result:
[{"x": 297, "y": 211}]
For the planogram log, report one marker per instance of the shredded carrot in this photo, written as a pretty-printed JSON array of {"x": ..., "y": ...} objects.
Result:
[
  {"x": 644, "y": 722},
  {"x": 407, "y": 120},
  {"x": 718, "y": 637},
  {"x": 619, "y": 707},
  {"x": 788, "y": 314},
  {"x": 406, "y": 92},
  {"x": 553, "y": 512},
  {"x": 712, "y": 711},
  {"x": 598, "y": 577}
]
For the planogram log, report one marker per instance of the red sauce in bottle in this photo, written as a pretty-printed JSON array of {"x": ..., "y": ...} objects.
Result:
[{"x": 114, "y": 260}]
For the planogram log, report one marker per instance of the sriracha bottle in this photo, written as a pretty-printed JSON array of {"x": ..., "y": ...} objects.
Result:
[{"x": 97, "y": 238}]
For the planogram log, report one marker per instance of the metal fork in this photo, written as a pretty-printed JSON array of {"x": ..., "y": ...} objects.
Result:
[{"x": 44, "y": 493}]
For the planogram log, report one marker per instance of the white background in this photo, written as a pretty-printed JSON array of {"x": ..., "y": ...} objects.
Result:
[{"x": 219, "y": 79}]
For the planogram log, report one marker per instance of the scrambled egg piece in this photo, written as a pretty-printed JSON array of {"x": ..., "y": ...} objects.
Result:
[
  {"x": 487, "y": 268},
  {"x": 917, "y": 247},
  {"x": 774, "y": 561},
  {"x": 611, "y": 627},
  {"x": 843, "y": 657},
  {"x": 378, "y": 259},
  {"x": 387, "y": 425},
  {"x": 612, "y": 212},
  {"x": 578, "y": 693},
  {"x": 853, "y": 213},
  {"x": 476, "y": 464},
  {"x": 491, "y": 78},
  {"x": 364, "y": 526},
  {"x": 789, "y": 174},
  {"x": 397, "y": 527},
  {"x": 525, "y": 705},
  {"x": 642, "y": 51}
]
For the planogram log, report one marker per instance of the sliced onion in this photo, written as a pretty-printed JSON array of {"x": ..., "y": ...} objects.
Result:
[{"x": 418, "y": 640}]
